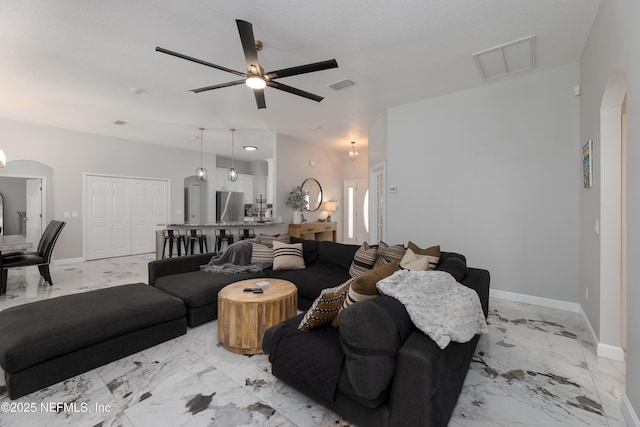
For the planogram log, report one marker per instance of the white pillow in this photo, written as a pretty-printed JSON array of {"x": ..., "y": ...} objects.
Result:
[
  {"x": 287, "y": 256},
  {"x": 413, "y": 261}
]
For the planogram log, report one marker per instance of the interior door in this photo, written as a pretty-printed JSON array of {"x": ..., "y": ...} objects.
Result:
[
  {"x": 34, "y": 210},
  {"x": 108, "y": 217},
  {"x": 356, "y": 212}
]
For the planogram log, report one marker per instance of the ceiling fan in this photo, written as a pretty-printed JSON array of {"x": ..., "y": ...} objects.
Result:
[{"x": 255, "y": 77}]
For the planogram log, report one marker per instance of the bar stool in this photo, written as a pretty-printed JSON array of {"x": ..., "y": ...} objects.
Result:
[
  {"x": 171, "y": 236},
  {"x": 194, "y": 234},
  {"x": 223, "y": 235},
  {"x": 247, "y": 233}
]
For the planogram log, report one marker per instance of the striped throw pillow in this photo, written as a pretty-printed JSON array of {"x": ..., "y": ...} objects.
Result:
[
  {"x": 390, "y": 253},
  {"x": 433, "y": 252},
  {"x": 261, "y": 254},
  {"x": 287, "y": 256},
  {"x": 363, "y": 260},
  {"x": 325, "y": 307}
]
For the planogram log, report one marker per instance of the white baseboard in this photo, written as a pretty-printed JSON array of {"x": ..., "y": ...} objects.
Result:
[
  {"x": 594, "y": 337},
  {"x": 628, "y": 412},
  {"x": 530, "y": 299},
  {"x": 602, "y": 350},
  {"x": 610, "y": 352},
  {"x": 68, "y": 261}
]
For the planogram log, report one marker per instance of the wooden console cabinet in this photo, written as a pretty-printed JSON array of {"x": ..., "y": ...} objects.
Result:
[{"x": 315, "y": 231}]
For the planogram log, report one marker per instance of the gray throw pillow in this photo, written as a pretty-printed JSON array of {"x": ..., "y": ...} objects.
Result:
[{"x": 370, "y": 340}]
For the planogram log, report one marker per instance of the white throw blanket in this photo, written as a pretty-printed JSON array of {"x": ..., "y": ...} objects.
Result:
[{"x": 439, "y": 306}]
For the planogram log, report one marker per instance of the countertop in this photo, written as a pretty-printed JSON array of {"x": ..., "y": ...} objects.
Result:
[{"x": 224, "y": 224}]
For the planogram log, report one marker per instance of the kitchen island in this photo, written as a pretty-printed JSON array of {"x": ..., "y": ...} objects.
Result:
[{"x": 210, "y": 227}]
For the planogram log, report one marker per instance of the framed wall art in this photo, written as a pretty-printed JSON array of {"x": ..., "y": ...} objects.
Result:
[{"x": 587, "y": 164}]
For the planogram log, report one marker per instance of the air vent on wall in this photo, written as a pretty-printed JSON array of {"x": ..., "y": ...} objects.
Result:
[
  {"x": 119, "y": 122},
  {"x": 341, "y": 84},
  {"x": 506, "y": 59}
]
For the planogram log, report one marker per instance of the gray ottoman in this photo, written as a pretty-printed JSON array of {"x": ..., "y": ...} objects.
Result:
[{"x": 47, "y": 341}]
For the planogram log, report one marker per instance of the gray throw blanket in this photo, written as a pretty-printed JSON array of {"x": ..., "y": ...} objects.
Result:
[{"x": 235, "y": 259}]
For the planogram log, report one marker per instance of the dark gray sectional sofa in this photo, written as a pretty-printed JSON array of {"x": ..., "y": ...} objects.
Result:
[{"x": 425, "y": 381}]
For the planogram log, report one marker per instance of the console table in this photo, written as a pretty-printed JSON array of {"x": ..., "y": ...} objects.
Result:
[{"x": 315, "y": 231}]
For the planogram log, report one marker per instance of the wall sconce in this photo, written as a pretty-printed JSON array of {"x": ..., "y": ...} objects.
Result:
[
  {"x": 3, "y": 158},
  {"x": 353, "y": 153},
  {"x": 330, "y": 206}
]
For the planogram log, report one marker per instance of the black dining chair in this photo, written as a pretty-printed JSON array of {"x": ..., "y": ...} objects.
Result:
[{"x": 41, "y": 257}]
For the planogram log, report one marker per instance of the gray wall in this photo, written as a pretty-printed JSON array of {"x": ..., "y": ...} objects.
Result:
[
  {"x": 494, "y": 173},
  {"x": 612, "y": 46},
  {"x": 292, "y": 168},
  {"x": 71, "y": 154}
]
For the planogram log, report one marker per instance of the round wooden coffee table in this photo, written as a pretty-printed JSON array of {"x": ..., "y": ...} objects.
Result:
[{"x": 244, "y": 316}]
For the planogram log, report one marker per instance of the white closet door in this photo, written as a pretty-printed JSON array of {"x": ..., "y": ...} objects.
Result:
[
  {"x": 34, "y": 211},
  {"x": 122, "y": 215}
]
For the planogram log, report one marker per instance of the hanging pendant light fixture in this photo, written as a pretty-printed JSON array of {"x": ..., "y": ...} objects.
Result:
[
  {"x": 201, "y": 173},
  {"x": 353, "y": 153},
  {"x": 3, "y": 159},
  {"x": 233, "y": 173}
]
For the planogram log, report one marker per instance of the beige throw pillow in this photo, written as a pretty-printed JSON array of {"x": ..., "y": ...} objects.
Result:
[
  {"x": 287, "y": 256},
  {"x": 413, "y": 261}
]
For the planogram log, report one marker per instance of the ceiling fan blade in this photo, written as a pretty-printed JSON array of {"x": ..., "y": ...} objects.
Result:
[
  {"x": 221, "y": 85},
  {"x": 259, "y": 94},
  {"x": 302, "y": 69},
  {"x": 200, "y": 61},
  {"x": 248, "y": 45},
  {"x": 294, "y": 91}
]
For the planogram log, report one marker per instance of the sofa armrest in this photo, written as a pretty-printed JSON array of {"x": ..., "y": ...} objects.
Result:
[
  {"x": 177, "y": 265},
  {"x": 428, "y": 381},
  {"x": 479, "y": 280}
]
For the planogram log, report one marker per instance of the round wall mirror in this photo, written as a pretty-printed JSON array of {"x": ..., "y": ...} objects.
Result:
[{"x": 314, "y": 194}]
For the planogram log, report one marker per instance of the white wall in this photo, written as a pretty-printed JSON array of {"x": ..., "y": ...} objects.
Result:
[
  {"x": 71, "y": 153},
  {"x": 611, "y": 47},
  {"x": 494, "y": 173}
]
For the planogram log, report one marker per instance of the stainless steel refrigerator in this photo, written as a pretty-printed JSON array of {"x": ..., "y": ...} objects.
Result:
[{"x": 229, "y": 206}]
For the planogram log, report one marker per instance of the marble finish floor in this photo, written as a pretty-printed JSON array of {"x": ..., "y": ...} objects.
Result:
[{"x": 535, "y": 367}]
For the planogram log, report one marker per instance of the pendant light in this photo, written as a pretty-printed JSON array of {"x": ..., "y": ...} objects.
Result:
[
  {"x": 3, "y": 158},
  {"x": 201, "y": 173},
  {"x": 233, "y": 173},
  {"x": 353, "y": 153}
]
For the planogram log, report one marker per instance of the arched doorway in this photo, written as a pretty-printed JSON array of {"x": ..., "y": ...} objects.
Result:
[{"x": 613, "y": 219}]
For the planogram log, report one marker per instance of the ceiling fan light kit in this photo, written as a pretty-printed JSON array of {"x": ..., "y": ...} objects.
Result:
[{"x": 255, "y": 77}]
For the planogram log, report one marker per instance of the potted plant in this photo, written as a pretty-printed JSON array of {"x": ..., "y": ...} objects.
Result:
[{"x": 297, "y": 199}]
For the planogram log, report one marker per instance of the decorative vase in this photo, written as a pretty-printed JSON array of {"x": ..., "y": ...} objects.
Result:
[{"x": 297, "y": 217}]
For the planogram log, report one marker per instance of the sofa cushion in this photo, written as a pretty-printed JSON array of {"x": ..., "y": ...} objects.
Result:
[
  {"x": 338, "y": 255},
  {"x": 325, "y": 307},
  {"x": 311, "y": 280},
  {"x": 310, "y": 249},
  {"x": 287, "y": 256},
  {"x": 454, "y": 266},
  {"x": 363, "y": 260},
  {"x": 371, "y": 333},
  {"x": 261, "y": 254},
  {"x": 199, "y": 288}
]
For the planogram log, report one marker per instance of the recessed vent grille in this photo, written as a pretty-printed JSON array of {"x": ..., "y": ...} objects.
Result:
[
  {"x": 341, "y": 84},
  {"x": 119, "y": 122}
]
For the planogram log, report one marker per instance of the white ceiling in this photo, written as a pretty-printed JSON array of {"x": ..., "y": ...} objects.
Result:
[{"x": 72, "y": 64}]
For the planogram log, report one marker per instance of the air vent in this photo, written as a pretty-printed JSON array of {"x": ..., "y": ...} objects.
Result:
[
  {"x": 506, "y": 59},
  {"x": 119, "y": 122},
  {"x": 341, "y": 84}
]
